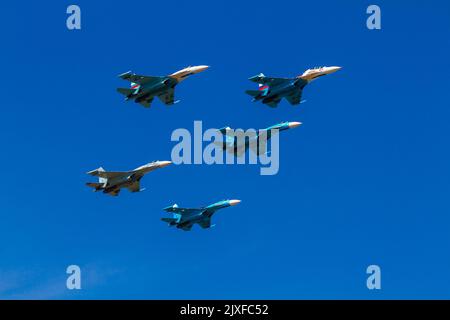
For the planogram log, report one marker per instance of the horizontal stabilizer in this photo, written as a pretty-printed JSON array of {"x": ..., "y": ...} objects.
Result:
[
  {"x": 253, "y": 93},
  {"x": 171, "y": 221},
  {"x": 95, "y": 185},
  {"x": 125, "y": 91}
]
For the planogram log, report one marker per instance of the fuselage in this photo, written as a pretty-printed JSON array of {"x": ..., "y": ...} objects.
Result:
[
  {"x": 119, "y": 183},
  {"x": 314, "y": 73},
  {"x": 186, "y": 72},
  {"x": 142, "y": 92},
  {"x": 190, "y": 219},
  {"x": 128, "y": 179},
  {"x": 201, "y": 214},
  {"x": 153, "y": 89},
  {"x": 276, "y": 92},
  {"x": 253, "y": 138}
]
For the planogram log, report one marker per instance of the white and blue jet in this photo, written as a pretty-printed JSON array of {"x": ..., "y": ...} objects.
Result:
[
  {"x": 237, "y": 142},
  {"x": 185, "y": 218}
]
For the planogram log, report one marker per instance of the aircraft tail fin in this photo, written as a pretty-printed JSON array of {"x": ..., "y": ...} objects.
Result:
[
  {"x": 229, "y": 134},
  {"x": 171, "y": 208},
  {"x": 96, "y": 173},
  {"x": 100, "y": 179},
  {"x": 224, "y": 130},
  {"x": 257, "y": 77}
]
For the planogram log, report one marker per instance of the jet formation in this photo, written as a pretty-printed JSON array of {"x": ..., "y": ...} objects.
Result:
[
  {"x": 272, "y": 90},
  {"x": 185, "y": 218},
  {"x": 111, "y": 182},
  {"x": 143, "y": 89},
  {"x": 236, "y": 145}
]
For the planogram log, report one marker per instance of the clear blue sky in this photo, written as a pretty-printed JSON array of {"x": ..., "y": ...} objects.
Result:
[{"x": 364, "y": 181}]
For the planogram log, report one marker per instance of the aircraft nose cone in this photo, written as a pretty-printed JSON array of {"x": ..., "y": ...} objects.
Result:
[
  {"x": 334, "y": 69},
  {"x": 294, "y": 124},
  {"x": 234, "y": 202},
  {"x": 165, "y": 163},
  {"x": 198, "y": 69}
]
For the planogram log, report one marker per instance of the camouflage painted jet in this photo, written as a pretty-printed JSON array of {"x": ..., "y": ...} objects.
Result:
[
  {"x": 237, "y": 145},
  {"x": 112, "y": 182},
  {"x": 144, "y": 88},
  {"x": 184, "y": 218},
  {"x": 272, "y": 90}
]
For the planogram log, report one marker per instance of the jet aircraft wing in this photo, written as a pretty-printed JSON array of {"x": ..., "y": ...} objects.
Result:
[
  {"x": 114, "y": 193},
  {"x": 187, "y": 227},
  {"x": 238, "y": 151},
  {"x": 259, "y": 147},
  {"x": 273, "y": 103},
  {"x": 205, "y": 224},
  {"x": 134, "y": 187},
  {"x": 168, "y": 97},
  {"x": 139, "y": 79},
  {"x": 295, "y": 98},
  {"x": 146, "y": 102}
]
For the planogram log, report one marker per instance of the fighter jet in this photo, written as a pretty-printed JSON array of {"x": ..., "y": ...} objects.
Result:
[
  {"x": 237, "y": 145},
  {"x": 184, "y": 218},
  {"x": 272, "y": 90},
  {"x": 111, "y": 182},
  {"x": 143, "y": 89}
]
